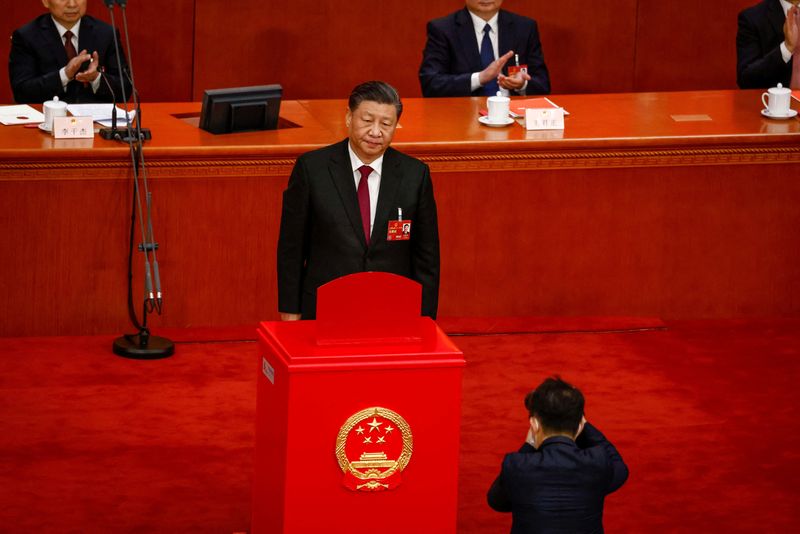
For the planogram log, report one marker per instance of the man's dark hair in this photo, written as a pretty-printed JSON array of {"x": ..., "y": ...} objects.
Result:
[
  {"x": 375, "y": 91},
  {"x": 557, "y": 404}
]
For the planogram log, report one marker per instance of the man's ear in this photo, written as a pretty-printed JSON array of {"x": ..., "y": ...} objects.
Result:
[{"x": 348, "y": 117}]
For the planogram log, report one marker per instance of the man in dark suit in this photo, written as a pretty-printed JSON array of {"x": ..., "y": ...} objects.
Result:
[
  {"x": 339, "y": 205},
  {"x": 765, "y": 42},
  {"x": 61, "y": 54},
  {"x": 467, "y": 51},
  {"x": 558, "y": 480}
]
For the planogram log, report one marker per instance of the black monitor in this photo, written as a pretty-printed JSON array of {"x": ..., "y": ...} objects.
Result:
[{"x": 241, "y": 109}]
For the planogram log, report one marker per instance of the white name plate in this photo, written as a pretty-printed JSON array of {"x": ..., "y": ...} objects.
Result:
[
  {"x": 544, "y": 118},
  {"x": 73, "y": 127}
]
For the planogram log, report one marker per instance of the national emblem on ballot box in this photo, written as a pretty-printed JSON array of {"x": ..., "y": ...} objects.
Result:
[{"x": 373, "y": 447}]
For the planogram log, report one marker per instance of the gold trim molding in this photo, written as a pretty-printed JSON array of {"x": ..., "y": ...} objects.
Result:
[{"x": 567, "y": 159}]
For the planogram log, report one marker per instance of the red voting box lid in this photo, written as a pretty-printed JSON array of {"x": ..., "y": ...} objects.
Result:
[{"x": 371, "y": 307}]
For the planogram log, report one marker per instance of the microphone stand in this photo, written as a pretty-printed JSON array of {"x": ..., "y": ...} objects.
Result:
[
  {"x": 110, "y": 133},
  {"x": 142, "y": 345}
]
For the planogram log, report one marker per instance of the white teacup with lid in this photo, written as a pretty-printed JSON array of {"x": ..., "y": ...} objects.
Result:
[
  {"x": 53, "y": 108},
  {"x": 776, "y": 100},
  {"x": 498, "y": 107}
]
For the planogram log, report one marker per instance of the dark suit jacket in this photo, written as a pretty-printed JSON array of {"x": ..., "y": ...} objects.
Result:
[
  {"x": 321, "y": 236},
  {"x": 559, "y": 488},
  {"x": 37, "y": 54},
  {"x": 759, "y": 62},
  {"x": 451, "y": 53}
]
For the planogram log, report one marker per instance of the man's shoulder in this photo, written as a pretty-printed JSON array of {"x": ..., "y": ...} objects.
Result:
[
  {"x": 518, "y": 20},
  {"x": 95, "y": 25},
  {"x": 552, "y": 451},
  {"x": 758, "y": 12},
  {"x": 450, "y": 21},
  {"x": 323, "y": 154},
  {"x": 403, "y": 159},
  {"x": 36, "y": 25}
]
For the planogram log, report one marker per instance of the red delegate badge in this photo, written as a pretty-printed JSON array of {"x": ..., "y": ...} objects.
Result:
[{"x": 399, "y": 231}]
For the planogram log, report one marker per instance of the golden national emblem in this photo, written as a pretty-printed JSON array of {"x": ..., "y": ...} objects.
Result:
[{"x": 373, "y": 447}]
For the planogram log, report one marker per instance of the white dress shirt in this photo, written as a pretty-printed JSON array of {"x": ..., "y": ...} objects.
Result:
[
  {"x": 479, "y": 25},
  {"x": 75, "y": 32},
  {"x": 373, "y": 181}
]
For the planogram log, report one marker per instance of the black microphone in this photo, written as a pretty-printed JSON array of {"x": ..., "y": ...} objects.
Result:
[{"x": 110, "y": 133}]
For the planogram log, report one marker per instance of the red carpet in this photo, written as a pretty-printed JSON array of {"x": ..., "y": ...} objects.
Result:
[{"x": 703, "y": 413}]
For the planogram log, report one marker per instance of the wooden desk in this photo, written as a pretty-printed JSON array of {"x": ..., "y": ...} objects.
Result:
[{"x": 628, "y": 211}]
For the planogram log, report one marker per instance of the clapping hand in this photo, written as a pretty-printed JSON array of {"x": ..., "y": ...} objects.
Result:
[{"x": 89, "y": 75}]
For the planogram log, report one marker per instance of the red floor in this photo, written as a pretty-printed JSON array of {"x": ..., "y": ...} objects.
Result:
[{"x": 703, "y": 413}]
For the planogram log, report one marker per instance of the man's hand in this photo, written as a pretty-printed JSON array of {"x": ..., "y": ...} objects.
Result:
[
  {"x": 90, "y": 74},
  {"x": 495, "y": 68},
  {"x": 75, "y": 63},
  {"x": 791, "y": 32},
  {"x": 290, "y": 316},
  {"x": 515, "y": 82},
  {"x": 580, "y": 427},
  {"x": 531, "y": 439}
]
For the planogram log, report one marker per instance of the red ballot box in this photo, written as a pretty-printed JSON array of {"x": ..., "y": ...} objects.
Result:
[{"x": 357, "y": 425}]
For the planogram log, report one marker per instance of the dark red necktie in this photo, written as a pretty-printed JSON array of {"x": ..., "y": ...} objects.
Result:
[
  {"x": 68, "y": 46},
  {"x": 363, "y": 198}
]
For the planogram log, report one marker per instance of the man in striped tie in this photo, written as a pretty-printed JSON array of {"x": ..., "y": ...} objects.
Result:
[
  {"x": 468, "y": 53},
  {"x": 61, "y": 53}
]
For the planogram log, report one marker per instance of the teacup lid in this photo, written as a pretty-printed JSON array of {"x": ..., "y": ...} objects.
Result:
[
  {"x": 780, "y": 90},
  {"x": 55, "y": 103},
  {"x": 499, "y": 97}
]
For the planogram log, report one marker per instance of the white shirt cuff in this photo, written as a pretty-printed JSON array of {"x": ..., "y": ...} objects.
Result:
[
  {"x": 63, "y": 75},
  {"x": 787, "y": 56},
  {"x": 96, "y": 82},
  {"x": 475, "y": 82}
]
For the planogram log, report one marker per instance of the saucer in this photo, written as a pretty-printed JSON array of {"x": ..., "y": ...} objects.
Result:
[
  {"x": 485, "y": 120},
  {"x": 789, "y": 115},
  {"x": 43, "y": 127}
]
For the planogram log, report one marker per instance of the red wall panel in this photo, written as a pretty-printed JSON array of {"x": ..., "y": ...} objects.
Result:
[
  {"x": 685, "y": 44},
  {"x": 588, "y": 48}
]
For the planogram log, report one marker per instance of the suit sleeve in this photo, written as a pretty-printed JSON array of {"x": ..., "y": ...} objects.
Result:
[
  {"x": 497, "y": 496},
  {"x": 27, "y": 84},
  {"x": 434, "y": 73},
  {"x": 754, "y": 70},
  {"x": 293, "y": 240},
  {"x": 425, "y": 247},
  {"x": 539, "y": 84},
  {"x": 591, "y": 437}
]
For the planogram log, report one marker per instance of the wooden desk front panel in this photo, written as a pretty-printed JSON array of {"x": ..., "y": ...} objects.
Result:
[
  {"x": 675, "y": 242},
  {"x": 626, "y": 224}
]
